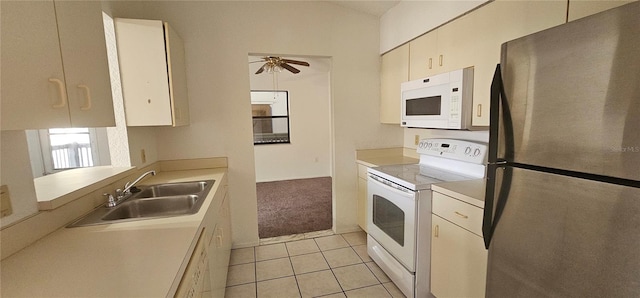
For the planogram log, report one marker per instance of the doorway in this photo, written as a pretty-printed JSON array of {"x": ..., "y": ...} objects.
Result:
[{"x": 292, "y": 145}]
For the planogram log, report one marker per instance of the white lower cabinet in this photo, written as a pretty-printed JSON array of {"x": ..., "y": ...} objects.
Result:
[
  {"x": 206, "y": 272},
  {"x": 196, "y": 275},
  {"x": 458, "y": 256},
  {"x": 362, "y": 196},
  {"x": 220, "y": 249}
]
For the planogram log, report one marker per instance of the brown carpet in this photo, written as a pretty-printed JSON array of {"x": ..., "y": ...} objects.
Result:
[{"x": 293, "y": 206}]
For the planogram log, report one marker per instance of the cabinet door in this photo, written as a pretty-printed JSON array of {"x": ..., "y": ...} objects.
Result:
[
  {"x": 423, "y": 56},
  {"x": 582, "y": 8},
  {"x": 221, "y": 244},
  {"x": 362, "y": 203},
  {"x": 86, "y": 69},
  {"x": 143, "y": 70},
  {"x": 493, "y": 24},
  {"x": 30, "y": 57},
  {"x": 456, "y": 48},
  {"x": 394, "y": 70},
  {"x": 177, "y": 77},
  {"x": 458, "y": 261}
]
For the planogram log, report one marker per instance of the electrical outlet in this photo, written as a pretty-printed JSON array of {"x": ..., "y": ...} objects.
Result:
[
  {"x": 417, "y": 140},
  {"x": 143, "y": 156},
  {"x": 5, "y": 201}
]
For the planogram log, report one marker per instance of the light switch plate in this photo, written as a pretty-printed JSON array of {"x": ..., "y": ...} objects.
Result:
[
  {"x": 5, "y": 201},
  {"x": 417, "y": 140}
]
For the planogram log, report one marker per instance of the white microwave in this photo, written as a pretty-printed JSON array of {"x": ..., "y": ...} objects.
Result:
[{"x": 441, "y": 101}]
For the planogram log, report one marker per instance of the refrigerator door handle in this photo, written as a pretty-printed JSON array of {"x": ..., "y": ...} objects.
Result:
[
  {"x": 498, "y": 103},
  {"x": 493, "y": 212},
  {"x": 500, "y": 109},
  {"x": 487, "y": 219}
]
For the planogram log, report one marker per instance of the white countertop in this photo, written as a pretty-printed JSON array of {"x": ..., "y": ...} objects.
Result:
[
  {"x": 470, "y": 191},
  {"x": 143, "y": 258},
  {"x": 53, "y": 191}
]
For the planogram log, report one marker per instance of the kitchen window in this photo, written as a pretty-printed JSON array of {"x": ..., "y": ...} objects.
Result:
[
  {"x": 270, "y": 112},
  {"x": 58, "y": 149}
]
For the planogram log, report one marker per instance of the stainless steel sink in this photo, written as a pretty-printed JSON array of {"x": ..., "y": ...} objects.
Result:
[
  {"x": 153, "y": 207},
  {"x": 153, "y": 201},
  {"x": 172, "y": 189}
]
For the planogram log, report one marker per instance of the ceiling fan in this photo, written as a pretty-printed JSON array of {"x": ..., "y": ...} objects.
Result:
[{"x": 276, "y": 64}]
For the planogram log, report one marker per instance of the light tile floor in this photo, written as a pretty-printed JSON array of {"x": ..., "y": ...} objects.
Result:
[{"x": 310, "y": 265}]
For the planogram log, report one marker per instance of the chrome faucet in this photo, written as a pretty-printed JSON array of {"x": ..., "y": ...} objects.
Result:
[
  {"x": 123, "y": 194},
  {"x": 128, "y": 186}
]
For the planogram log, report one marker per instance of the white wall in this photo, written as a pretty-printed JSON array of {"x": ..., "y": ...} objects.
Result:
[
  {"x": 410, "y": 19},
  {"x": 218, "y": 36},
  {"x": 309, "y": 154}
]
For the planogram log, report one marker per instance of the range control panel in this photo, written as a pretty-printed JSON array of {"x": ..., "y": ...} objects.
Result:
[{"x": 463, "y": 150}]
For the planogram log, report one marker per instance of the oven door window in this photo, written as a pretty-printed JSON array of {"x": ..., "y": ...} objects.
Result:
[
  {"x": 424, "y": 106},
  {"x": 389, "y": 218}
]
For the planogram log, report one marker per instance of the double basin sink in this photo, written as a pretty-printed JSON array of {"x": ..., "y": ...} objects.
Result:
[{"x": 152, "y": 201}]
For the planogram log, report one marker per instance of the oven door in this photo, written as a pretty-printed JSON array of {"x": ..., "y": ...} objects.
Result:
[{"x": 391, "y": 219}]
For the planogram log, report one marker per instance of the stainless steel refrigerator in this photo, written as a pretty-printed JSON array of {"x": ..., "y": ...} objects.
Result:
[{"x": 562, "y": 204}]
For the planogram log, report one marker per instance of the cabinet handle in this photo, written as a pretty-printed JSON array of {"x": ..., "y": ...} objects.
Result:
[
  {"x": 219, "y": 240},
  {"x": 440, "y": 58},
  {"x": 436, "y": 231},
  {"x": 461, "y": 215},
  {"x": 62, "y": 94},
  {"x": 430, "y": 63},
  {"x": 479, "y": 110},
  {"x": 87, "y": 96}
]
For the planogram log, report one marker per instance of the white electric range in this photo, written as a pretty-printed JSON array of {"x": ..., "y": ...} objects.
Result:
[{"x": 399, "y": 208}]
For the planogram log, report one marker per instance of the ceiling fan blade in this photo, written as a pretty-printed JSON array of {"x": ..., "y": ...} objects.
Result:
[
  {"x": 295, "y": 62},
  {"x": 261, "y": 69},
  {"x": 289, "y": 68}
]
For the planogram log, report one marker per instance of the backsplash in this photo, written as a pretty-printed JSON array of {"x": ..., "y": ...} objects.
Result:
[{"x": 410, "y": 133}]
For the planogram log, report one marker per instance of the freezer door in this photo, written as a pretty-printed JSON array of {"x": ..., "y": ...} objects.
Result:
[
  {"x": 561, "y": 236},
  {"x": 573, "y": 96}
]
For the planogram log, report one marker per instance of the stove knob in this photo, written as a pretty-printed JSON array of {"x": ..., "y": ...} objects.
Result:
[
  {"x": 422, "y": 145},
  {"x": 467, "y": 150},
  {"x": 476, "y": 152},
  {"x": 429, "y": 144}
]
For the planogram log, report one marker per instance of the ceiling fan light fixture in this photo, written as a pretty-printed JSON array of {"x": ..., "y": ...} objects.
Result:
[{"x": 277, "y": 64}]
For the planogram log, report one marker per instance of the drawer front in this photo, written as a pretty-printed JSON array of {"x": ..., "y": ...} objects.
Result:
[
  {"x": 458, "y": 212},
  {"x": 362, "y": 171}
]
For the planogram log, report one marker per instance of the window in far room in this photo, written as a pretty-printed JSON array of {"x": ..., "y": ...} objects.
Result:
[{"x": 270, "y": 111}]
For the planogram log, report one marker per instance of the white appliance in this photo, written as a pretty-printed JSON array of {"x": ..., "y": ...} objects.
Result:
[
  {"x": 399, "y": 208},
  {"x": 440, "y": 101}
]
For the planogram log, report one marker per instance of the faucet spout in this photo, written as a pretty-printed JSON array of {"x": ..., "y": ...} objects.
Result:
[{"x": 128, "y": 186}]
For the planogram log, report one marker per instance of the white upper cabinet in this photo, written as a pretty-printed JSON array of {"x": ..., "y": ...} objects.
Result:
[
  {"x": 393, "y": 71},
  {"x": 54, "y": 65},
  {"x": 424, "y": 60},
  {"x": 582, "y": 8},
  {"x": 152, "y": 69},
  {"x": 490, "y": 26}
]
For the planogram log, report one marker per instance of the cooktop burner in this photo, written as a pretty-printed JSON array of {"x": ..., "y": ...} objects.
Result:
[{"x": 415, "y": 176}]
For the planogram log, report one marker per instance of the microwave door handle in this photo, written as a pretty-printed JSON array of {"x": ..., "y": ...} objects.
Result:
[{"x": 397, "y": 189}]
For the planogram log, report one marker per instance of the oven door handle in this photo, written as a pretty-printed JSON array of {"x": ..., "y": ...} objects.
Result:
[{"x": 391, "y": 187}]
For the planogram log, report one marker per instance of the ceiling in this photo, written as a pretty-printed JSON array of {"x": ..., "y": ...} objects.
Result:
[{"x": 372, "y": 7}]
